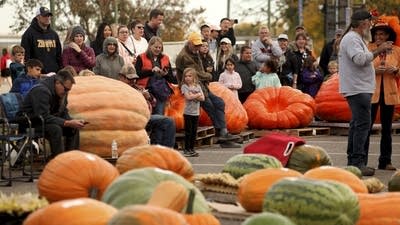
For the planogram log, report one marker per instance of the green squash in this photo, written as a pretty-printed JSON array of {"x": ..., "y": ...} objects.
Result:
[
  {"x": 313, "y": 202},
  {"x": 136, "y": 187},
  {"x": 306, "y": 157},
  {"x": 354, "y": 170},
  {"x": 394, "y": 182},
  {"x": 242, "y": 164},
  {"x": 267, "y": 218}
]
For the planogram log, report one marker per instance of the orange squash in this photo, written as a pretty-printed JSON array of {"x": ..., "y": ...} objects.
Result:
[
  {"x": 73, "y": 212},
  {"x": 113, "y": 109},
  {"x": 337, "y": 174},
  {"x": 155, "y": 156},
  {"x": 75, "y": 174},
  {"x": 146, "y": 215},
  {"x": 175, "y": 106},
  {"x": 253, "y": 186},
  {"x": 379, "y": 209},
  {"x": 235, "y": 115},
  {"x": 284, "y": 107},
  {"x": 331, "y": 105},
  {"x": 198, "y": 218},
  {"x": 169, "y": 194}
]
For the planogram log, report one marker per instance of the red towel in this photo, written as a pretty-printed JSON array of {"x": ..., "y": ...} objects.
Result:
[{"x": 279, "y": 145}]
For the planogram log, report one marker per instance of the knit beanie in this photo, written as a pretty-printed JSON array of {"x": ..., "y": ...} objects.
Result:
[{"x": 77, "y": 30}]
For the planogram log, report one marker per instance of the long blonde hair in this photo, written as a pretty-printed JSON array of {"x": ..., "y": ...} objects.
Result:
[{"x": 194, "y": 73}]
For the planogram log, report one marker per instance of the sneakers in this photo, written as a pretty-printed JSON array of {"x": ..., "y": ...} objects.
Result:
[
  {"x": 228, "y": 137},
  {"x": 367, "y": 171},
  {"x": 387, "y": 167},
  {"x": 190, "y": 153}
]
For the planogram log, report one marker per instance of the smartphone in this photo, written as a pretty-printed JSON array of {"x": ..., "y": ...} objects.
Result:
[{"x": 85, "y": 122}]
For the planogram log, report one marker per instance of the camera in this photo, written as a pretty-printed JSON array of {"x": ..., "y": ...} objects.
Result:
[{"x": 235, "y": 21}]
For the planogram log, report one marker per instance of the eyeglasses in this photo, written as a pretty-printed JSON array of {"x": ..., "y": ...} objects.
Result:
[
  {"x": 124, "y": 32},
  {"x": 65, "y": 88},
  {"x": 140, "y": 27}
]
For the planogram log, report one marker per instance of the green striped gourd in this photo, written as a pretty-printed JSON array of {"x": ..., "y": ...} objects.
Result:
[
  {"x": 394, "y": 182},
  {"x": 355, "y": 170},
  {"x": 267, "y": 218},
  {"x": 243, "y": 164},
  {"x": 306, "y": 157},
  {"x": 313, "y": 202}
]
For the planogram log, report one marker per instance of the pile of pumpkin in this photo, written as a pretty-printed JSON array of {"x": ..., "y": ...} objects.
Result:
[{"x": 156, "y": 187}]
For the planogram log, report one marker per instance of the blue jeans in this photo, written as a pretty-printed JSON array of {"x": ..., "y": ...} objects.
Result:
[
  {"x": 162, "y": 130},
  {"x": 360, "y": 123},
  {"x": 159, "y": 108},
  {"x": 215, "y": 109}
]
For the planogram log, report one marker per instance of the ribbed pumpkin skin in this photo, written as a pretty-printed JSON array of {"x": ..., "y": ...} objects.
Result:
[
  {"x": 267, "y": 218},
  {"x": 331, "y": 105},
  {"x": 113, "y": 109},
  {"x": 313, "y": 202},
  {"x": 253, "y": 186},
  {"x": 75, "y": 174},
  {"x": 235, "y": 114},
  {"x": 155, "y": 156},
  {"x": 146, "y": 215},
  {"x": 339, "y": 175},
  {"x": 306, "y": 157},
  {"x": 394, "y": 182},
  {"x": 284, "y": 107},
  {"x": 242, "y": 164},
  {"x": 136, "y": 187},
  {"x": 73, "y": 212},
  {"x": 379, "y": 209},
  {"x": 175, "y": 106}
]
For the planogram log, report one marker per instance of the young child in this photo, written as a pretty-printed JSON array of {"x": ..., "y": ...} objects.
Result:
[
  {"x": 267, "y": 76},
  {"x": 25, "y": 82},
  {"x": 333, "y": 68},
  {"x": 17, "y": 66},
  {"x": 311, "y": 77},
  {"x": 193, "y": 95},
  {"x": 229, "y": 78}
]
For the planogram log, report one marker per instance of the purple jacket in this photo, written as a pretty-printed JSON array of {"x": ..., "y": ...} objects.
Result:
[
  {"x": 86, "y": 59},
  {"x": 311, "y": 81}
]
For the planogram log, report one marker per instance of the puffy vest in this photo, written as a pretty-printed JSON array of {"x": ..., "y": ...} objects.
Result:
[{"x": 147, "y": 64}]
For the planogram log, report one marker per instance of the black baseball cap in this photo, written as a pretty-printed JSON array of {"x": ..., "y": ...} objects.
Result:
[
  {"x": 43, "y": 11},
  {"x": 361, "y": 15}
]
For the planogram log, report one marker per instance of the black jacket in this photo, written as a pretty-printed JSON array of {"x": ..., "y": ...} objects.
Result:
[
  {"x": 42, "y": 100},
  {"x": 43, "y": 45}
]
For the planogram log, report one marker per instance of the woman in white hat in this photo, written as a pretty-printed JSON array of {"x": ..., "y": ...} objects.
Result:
[{"x": 225, "y": 52}]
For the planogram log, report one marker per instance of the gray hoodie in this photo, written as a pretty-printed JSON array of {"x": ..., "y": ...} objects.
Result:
[{"x": 109, "y": 64}]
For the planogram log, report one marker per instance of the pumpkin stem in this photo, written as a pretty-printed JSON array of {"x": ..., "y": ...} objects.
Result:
[
  {"x": 93, "y": 192},
  {"x": 189, "y": 208}
]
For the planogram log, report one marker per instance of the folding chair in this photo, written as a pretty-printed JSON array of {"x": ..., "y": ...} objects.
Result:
[{"x": 14, "y": 141}]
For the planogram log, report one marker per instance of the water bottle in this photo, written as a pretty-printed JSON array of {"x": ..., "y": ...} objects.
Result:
[{"x": 114, "y": 149}]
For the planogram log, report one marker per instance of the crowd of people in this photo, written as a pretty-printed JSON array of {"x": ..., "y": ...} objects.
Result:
[{"x": 133, "y": 54}]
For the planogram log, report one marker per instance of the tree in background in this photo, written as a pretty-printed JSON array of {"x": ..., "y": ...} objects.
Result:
[{"x": 89, "y": 13}]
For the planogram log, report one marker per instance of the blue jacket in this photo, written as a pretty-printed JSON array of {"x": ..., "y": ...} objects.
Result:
[{"x": 23, "y": 84}]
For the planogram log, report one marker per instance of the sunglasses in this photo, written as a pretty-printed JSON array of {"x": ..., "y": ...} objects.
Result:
[
  {"x": 140, "y": 27},
  {"x": 65, "y": 88}
]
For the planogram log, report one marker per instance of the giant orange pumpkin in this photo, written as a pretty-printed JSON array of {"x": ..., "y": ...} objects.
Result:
[
  {"x": 73, "y": 212},
  {"x": 75, "y": 174},
  {"x": 175, "y": 106},
  {"x": 155, "y": 156},
  {"x": 284, "y": 107},
  {"x": 331, "y": 105},
  {"x": 113, "y": 109},
  {"x": 235, "y": 115}
]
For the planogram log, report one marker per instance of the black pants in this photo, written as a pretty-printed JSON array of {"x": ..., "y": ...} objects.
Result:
[
  {"x": 54, "y": 133},
  {"x": 191, "y": 123}
]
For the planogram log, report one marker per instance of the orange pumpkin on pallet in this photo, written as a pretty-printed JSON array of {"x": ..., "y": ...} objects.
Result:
[
  {"x": 75, "y": 174},
  {"x": 379, "y": 209},
  {"x": 235, "y": 114},
  {"x": 113, "y": 109},
  {"x": 284, "y": 107},
  {"x": 337, "y": 174},
  {"x": 175, "y": 106},
  {"x": 155, "y": 156}
]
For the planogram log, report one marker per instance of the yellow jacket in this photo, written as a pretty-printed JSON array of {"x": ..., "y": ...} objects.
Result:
[{"x": 390, "y": 80}]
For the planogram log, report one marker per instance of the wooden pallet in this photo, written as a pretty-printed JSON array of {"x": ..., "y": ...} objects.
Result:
[
  {"x": 308, "y": 131},
  {"x": 204, "y": 137},
  {"x": 342, "y": 129}
]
